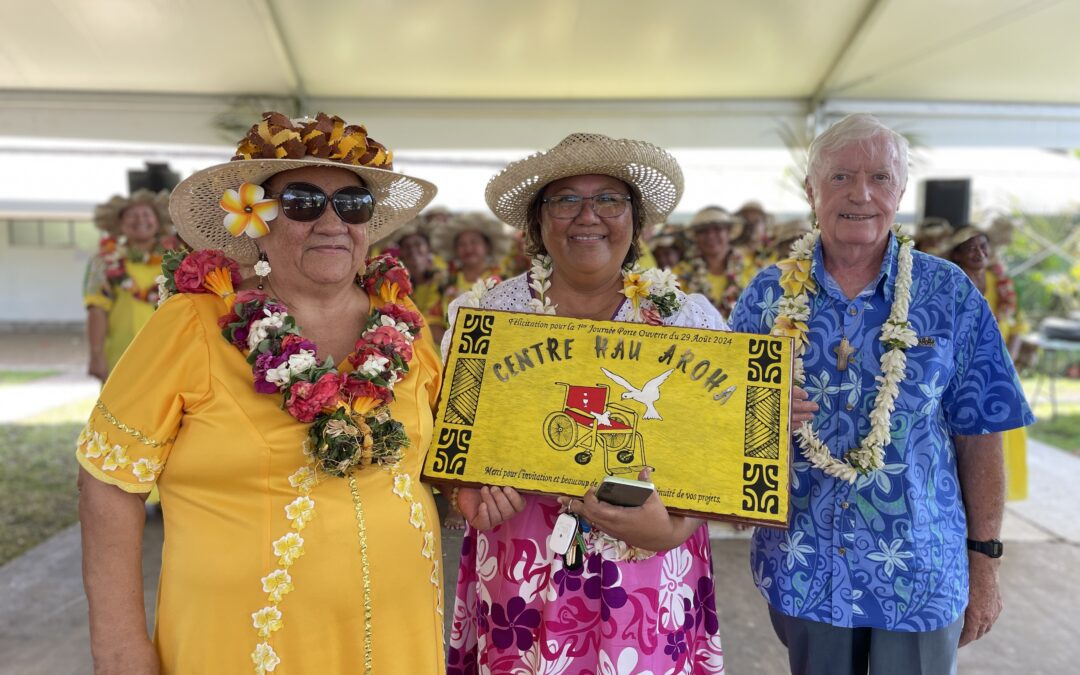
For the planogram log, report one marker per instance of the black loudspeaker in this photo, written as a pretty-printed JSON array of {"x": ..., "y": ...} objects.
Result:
[
  {"x": 155, "y": 178},
  {"x": 948, "y": 199}
]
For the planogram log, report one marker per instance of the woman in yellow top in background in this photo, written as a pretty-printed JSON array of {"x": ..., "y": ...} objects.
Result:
[
  {"x": 120, "y": 288},
  {"x": 284, "y": 419},
  {"x": 969, "y": 247},
  {"x": 756, "y": 237},
  {"x": 718, "y": 269},
  {"x": 474, "y": 243}
]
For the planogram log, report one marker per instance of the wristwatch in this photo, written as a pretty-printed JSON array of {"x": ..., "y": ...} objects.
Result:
[{"x": 991, "y": 547}]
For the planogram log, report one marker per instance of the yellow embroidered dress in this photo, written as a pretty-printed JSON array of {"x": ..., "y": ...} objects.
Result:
[
  {"x": 128, "y": 309},
  {"x": 263, "y": 566}
]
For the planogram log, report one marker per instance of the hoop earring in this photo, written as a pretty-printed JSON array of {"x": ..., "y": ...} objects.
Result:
[{"x": 262, "y": 268}]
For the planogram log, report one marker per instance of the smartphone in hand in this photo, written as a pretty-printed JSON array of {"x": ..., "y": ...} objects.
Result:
[{"x": 624, "y": 491}]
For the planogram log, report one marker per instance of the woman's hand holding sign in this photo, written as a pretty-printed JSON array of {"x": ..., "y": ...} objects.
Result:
[{"x": 489, "y": 506}]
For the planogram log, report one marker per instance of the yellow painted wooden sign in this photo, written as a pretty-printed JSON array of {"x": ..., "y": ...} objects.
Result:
[{"x": 550, "y": 404}]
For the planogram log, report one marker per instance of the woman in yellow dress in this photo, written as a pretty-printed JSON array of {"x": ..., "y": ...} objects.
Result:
[
  {"x": 120, "y": 288},
  {"x": 474, "y": 243},
  {"x": 284, "y": 419},
  {"x": 719, "y": 270},
  {"x": 969, "y": 247}
]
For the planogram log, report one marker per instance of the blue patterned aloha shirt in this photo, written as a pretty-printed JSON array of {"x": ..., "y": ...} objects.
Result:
[{"x": 888, "y": 551}]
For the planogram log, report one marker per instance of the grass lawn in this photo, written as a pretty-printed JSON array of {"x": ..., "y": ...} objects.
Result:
[
  {"x": 37, "y": 477},
  {"x": 9, "y": 377},
  {"x": 1063, "y": 430}
]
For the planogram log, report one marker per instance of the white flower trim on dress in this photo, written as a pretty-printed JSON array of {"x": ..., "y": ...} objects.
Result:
[
  {"x": 95, "y": 445},
  {"x": 403, "y": 489},
  {"x": 896, "y": 334},
  {"x": 278, "y": 583}
]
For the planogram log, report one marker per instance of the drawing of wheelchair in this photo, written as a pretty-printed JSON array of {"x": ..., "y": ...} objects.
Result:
[{"x": 587, "y": 423}]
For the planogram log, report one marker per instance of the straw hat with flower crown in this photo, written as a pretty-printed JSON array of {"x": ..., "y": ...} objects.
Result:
[
  {"x": 443, "y": 236},
  {"x": 277, "y": 144},
  {"x": 650, "y": 171},
  {"x": 107, "y": 215}
]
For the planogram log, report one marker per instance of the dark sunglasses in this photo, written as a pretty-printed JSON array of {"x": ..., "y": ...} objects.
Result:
[{"x": 305, "y": 202}]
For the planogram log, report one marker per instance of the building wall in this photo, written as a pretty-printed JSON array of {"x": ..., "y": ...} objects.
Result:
[{"x": 41, "y": 285}]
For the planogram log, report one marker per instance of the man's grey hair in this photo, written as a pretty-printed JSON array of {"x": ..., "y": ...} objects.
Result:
[{"x": 856, "y": 128}]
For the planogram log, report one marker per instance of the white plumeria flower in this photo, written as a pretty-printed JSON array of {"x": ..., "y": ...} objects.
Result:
[
  {"x": 416, "y": 515},
  {"x": 429, "y": 545},
  {"x": 402, "y": 484},
  {"x": 116, "y": 458},
  {"x": 91, "y": 448},
  {"x": 303, "y": 479},
  {"x": 146, "y": 469},
  {"x": 264, "y": 658},
  {"x": 256, "y": 335},
  {"x": 302, "y": 361},
  {"x": 662, "y": 280},
  {"x": 300, "y": 512},
  {"x": 266, "y": 620},
  {"x": 374, "y": 365},
  {"x": 277, "y": 584},
  {"x": 288, "y": 548},
  {"x": 278, "y": 376}
]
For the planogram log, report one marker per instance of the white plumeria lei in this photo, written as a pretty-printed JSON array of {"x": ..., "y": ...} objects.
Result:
[
  {"x": 896, "y": 334},
  {"x": 655, "y": 285}
]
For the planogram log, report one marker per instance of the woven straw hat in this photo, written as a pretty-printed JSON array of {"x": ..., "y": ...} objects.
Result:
[
  {"x": 443, "y": 236},
  {"x": 962, "y": 235},
  {"x": 279, "y": 144},
  {"x": 107, "y": 215},
  {"x": 714, "y": 215},
  {"x": 790, "y": 229},
  {"x": 651, "y": 171},
  {"x": 418, "y": 225},
  {"x": 751, "y": 205}
]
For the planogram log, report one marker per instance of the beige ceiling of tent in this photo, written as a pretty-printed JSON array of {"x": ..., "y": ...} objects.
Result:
[{"x": 981, "y": 50}]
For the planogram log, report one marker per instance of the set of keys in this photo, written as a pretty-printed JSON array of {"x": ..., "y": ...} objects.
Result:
[{"x": 567, "y": 539}]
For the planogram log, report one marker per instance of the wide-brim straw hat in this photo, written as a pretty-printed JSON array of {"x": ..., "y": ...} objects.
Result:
[
  {"x": 961, "y": 236},
  {"x": 749, "y": 206},
  {"x": 652, "y": 172},
  {"x": 716, "y": 216},
  {"x": 932, "y": 228},
  {"x": 444, "y": 235},
  {"x": 418, "y": 225},
  {"x": 790, "y": 229},
  {"x": 278, "y": 144},
  {"x": 107, "y": 215}
]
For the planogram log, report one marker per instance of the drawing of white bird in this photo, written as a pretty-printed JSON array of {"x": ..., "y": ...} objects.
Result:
[
  {"x": 602, "y": 419},
  {"x": 647, "y": 395}
]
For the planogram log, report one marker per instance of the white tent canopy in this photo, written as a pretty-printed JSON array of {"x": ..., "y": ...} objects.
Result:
[{"x": 494, "y": 74}]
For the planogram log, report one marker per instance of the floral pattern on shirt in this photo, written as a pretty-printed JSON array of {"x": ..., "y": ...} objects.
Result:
[{"x": 889, "y": 550}]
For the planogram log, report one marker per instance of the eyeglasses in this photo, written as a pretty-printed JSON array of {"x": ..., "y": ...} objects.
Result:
[
  {"x": 606, "y": 205},
  {"x": 305, "y": 202}
]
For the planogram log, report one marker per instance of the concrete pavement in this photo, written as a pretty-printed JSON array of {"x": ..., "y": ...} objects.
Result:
[{"x": 43, "y": 626}]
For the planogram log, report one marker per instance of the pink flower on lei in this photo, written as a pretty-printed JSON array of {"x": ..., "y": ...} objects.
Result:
[{"x": 307, "y": 399}]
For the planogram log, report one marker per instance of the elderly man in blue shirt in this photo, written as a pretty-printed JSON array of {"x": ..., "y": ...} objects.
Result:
[{"x": 890, "y": 561}]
